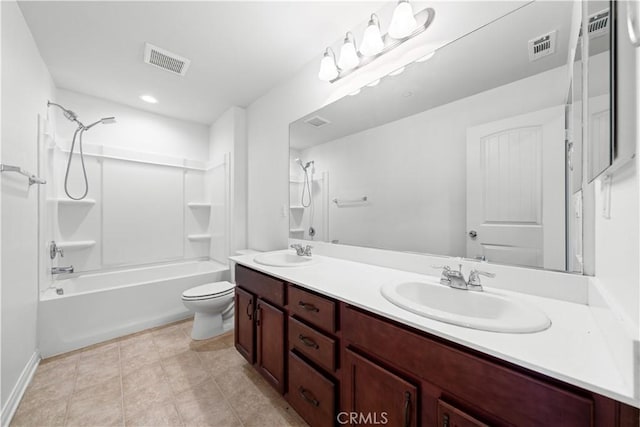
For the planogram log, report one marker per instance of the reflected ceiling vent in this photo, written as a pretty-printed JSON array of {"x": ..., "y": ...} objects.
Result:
[
  {"x": 165, "y": 60},
  {"x": 542, "y": 46},
  {"x": 599, "y": 24},
  {"x": 317, "y": 121}
]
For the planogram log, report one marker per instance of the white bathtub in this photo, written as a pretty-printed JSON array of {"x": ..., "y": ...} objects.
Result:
[{"x": 100, "y": 306}]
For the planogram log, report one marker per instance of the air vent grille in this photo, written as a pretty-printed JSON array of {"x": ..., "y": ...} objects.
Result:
[
  {"x": 165, "y": 60},
  {"x": 317, "y": 121},
  {"x": 542, "y": 46},
  {"x": 599, "y": 24}
]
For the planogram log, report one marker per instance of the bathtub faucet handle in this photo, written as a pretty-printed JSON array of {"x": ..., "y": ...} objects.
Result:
[{"x": 55, "y": 250}]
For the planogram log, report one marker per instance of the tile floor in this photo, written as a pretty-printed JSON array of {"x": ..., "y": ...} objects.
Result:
[{"x": 158, "y": 377}]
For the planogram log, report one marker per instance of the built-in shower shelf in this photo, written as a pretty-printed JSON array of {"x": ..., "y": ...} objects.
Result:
[
  {"x": 199, "y": 205},
  {"x": 296, "y": 230},
  {"x": 199, "y": 237},
  {"x": 296, "y": 208},
  {"x": 76, "y": 244},
  {"x": 70, "y": 202}
]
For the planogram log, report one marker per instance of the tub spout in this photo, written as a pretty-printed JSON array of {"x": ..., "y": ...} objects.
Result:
[{"x": 61, "y": 270}]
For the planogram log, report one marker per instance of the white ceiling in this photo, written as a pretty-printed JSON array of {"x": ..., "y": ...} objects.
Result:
[{"x": 238, "y": 50}]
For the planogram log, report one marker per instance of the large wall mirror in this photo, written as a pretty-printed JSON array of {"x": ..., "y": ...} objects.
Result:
[{"x": 465, "y": 154}]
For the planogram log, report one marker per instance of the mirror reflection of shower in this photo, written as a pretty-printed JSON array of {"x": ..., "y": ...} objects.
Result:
[
  {"x": 306, "y": 191},
  {"x": 73, "y": 117}
]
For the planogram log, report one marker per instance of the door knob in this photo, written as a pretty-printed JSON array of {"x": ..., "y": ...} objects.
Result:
[{"x": 473, "y": 234}]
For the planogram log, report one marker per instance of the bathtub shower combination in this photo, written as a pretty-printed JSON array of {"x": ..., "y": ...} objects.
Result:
[{"x": 124, "y": 235}]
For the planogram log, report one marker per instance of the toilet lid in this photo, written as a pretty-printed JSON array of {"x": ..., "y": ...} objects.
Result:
[{"x": 209, "y": 290}]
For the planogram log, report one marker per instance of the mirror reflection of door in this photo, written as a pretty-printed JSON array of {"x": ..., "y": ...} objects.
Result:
[{"x": 516, "y": 192}]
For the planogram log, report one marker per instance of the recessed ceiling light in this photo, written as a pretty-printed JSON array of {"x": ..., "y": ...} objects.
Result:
[
  {"x": 148, "y": 98},
  {"x": 374, "y": 83},
  {"x": 355, "y": 92}
]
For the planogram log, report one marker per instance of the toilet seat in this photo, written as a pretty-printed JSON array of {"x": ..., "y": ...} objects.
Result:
[{"x": 208, "y": 291}]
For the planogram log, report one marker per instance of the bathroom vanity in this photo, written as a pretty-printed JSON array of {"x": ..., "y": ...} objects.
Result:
[{"x": 345, "y": 353}]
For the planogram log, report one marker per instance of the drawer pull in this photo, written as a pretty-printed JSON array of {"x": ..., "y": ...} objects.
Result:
[
  {"x": 308, "y": 306},
  {"x": 407, "y": 407},
  {"x": 306, "y": 395},
  {"x": 308, "y": 341}
]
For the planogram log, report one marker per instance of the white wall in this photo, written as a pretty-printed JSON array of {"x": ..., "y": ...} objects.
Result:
[
  {"x": 141, "y": 212},
  {"x": 26, "y": 87},
  {"x": 430, "y": 183},
  {"x": 268, "y": 117},
  {"x": 228, "y": 135},
  {"x": 135, "y": 129}
]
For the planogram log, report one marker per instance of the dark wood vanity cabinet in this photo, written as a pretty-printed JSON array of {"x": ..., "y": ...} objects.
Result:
[
  {"x": 337, "y": 364},
  {"x": 260, "y": 323},
  {"x": 374, "y": 394}
]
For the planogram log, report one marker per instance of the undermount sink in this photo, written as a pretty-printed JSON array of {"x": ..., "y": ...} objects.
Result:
[
  {"x": 283, "y": 259},
  {"x": 486, "y": 311}
]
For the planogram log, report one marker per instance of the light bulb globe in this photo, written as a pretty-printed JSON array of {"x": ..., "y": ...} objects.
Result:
[{"x": 403, "y": 23}]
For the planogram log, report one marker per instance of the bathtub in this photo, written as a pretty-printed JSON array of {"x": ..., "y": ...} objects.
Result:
[{"x": 96, "y": 307}]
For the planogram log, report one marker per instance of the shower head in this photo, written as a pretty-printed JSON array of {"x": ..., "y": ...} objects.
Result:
[
  {"x": 303, "y": 165},
  {"x": 104, "y": 121}
]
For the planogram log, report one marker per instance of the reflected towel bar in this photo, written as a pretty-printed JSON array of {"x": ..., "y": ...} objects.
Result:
[
  {"x": 32, "y": 178},
  {"x": 339, "y": 202}
]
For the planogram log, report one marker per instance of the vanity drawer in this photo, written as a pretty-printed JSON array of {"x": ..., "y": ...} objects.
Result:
[
  {"x": 314, "y": 309},
  {"x": 310, "y": 393},
  {"x": 267, "y": 287},
  {"x": 313, "y": 344}
]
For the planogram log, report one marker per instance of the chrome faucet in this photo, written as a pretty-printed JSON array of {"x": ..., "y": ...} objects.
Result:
[
  {"x": 62, "y": 270},
  {"x": 302, "y": 251},
  {"x": 455, "y": 278},
  {"x": 55, "y": 250}
]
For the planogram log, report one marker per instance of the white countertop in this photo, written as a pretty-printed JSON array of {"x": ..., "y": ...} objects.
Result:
[{"x": 572, "y": 350}]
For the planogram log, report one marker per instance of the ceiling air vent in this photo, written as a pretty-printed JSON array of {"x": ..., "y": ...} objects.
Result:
[
  {"x": 317, "y": 121},
  {"x": 165, "y": 60},
  {"x": 542, "y": 46},
  {"x": 599, "y": 23}
]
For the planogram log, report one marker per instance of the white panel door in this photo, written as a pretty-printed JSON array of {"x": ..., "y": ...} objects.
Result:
[{"x": 516, "y": 190}]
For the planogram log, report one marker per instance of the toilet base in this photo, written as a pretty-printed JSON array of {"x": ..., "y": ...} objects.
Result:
[{"x": 206, "y": 325}]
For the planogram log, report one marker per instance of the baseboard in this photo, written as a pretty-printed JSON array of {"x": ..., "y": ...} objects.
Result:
[{"x": 17, "y": 393}]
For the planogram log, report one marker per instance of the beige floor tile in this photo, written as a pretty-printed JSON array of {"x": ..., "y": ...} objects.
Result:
[
  {"x": 100, "y": 405},
  {"x": 145, "y": 387},
  {"x": 50, "y": 412},
  {"x": 137, "y": 352},
  {"x": 97, "y": 366},
  {"x": 184, "y": 371},
  {"x": 58, "y": 374},
  {"x": 171, "y": 342},
  {"x": 207, "y": 413},
  {"x": 157, "y": 415},
  {"x": 222, "y": 361}
]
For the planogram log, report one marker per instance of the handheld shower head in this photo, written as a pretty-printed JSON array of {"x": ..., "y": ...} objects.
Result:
[
  {"x": 104, "y": 121},
  {"x": 303, "y": 165}
]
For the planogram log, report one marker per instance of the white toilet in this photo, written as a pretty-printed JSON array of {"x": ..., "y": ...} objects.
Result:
[{"x": 213, "y": 305}]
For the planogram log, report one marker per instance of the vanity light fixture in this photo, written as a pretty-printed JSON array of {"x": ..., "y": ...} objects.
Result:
[
  {"x": 372, "y": 43},
  {"x": 397, "y": 72},
  {"x": 427, "y": 57},
  {"x": 348, "y": 54},
  {"x": 328, "y": 69},
  {"x": 403, "y": 23},
  {"x": 404, "y": 26},
  {"x": 148, "y": 98}
]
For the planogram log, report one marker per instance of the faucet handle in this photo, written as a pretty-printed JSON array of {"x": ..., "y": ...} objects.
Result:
[
  {"x": 307, "y": 250},
  {"x": 474, "y": 279}
]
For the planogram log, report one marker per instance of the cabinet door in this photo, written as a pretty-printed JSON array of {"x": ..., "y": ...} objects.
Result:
[
  {"x": 376, "y": 396},
  {"x": 450, "y": 416},
  {"x": 270, "y": 323},
  {"x": 244, "y": 331}
]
